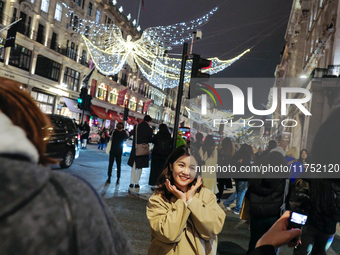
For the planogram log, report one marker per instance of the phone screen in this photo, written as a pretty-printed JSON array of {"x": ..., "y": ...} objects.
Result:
[{"x": 297, "y": 220}]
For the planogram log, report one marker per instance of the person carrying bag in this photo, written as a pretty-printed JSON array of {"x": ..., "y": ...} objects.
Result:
[{"x": 139, "y": 156}]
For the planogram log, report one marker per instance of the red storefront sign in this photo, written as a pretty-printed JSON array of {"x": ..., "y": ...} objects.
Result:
[
  {"x": 146, "y": 105},
  {"x": 121, "y": 97}
]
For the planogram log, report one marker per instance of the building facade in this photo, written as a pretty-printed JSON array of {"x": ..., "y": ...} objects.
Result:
[
  {"x": 50, "y": 60},
  {"x": 311, "y": 59}
]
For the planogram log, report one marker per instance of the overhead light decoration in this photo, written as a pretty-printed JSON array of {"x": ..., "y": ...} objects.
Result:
[
  {"x": 109, "y": 51},
  {"x": 114, "y": 2},
  {"x": 138, "y": 28},
  {"x": 134, "y": 22},
  {"x": 128, "y": 16}
]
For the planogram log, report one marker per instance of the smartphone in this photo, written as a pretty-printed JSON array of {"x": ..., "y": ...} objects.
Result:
[{"x": 297, "y": 220}]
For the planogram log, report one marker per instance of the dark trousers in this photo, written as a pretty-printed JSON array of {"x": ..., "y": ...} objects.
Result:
[
  {"x": 313, "y": 241},
  {"x": 259, "y": 226},
  {"x": 118, "y": 158},
  {"x": 221, "y": 183}
]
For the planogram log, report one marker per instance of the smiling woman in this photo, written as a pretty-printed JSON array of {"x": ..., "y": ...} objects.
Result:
[{"x": 184, "y": 216}]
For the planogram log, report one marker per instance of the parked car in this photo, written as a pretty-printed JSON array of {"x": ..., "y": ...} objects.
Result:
[
  {"x": 64, "y": 140},
  {"x": 94, "y": 138}
]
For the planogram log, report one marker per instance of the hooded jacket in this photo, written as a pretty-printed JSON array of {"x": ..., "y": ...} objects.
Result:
[{"x": 45, "y": 212}]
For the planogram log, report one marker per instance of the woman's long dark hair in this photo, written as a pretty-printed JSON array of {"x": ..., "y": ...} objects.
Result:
[
  {"x": 167, "y": 173},
  {"x": 163, "y": 130},
  {"x": 244, "y": 154},
  {"x": 325, "y": 151},
  {"x": 209, "y": 145},
  {"x": 301, "y": 159},
  {"x": 227, "y": 147}
]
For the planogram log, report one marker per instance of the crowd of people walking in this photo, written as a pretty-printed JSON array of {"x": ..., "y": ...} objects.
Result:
[{"x": 58, "y": 213}]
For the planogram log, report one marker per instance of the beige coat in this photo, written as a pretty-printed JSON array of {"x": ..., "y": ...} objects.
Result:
[
  {"x": 209, "y": 177},
  {"x": 177, "y": 228}
]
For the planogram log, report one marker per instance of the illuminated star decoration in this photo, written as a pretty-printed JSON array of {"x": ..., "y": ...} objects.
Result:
[{"x": 110, "y": 51}]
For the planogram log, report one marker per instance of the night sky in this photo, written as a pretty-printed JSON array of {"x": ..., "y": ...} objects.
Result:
[{"x": 235, "y": 27}]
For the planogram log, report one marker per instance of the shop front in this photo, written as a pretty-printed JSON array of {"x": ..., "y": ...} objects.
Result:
[{"x": 70, "y": 109}]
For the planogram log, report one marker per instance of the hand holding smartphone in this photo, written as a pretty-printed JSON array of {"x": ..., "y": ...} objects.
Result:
[{"x": 296, "y": 220}]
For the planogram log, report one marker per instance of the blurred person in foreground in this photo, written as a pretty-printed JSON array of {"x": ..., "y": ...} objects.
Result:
[
  {"x": 184, "y": 216},
  {"x": 317, "y": 197},
  {"x": 45, "y": 212}
]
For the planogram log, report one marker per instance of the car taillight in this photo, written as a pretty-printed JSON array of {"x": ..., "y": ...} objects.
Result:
[{"x": 78, "y": 136}]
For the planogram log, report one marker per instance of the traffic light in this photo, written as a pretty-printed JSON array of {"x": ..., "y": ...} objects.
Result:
[
  {"x": 82, "y": 98},
  {"x": 88, "y": 103},
  {"x": 198, "y": 64}
]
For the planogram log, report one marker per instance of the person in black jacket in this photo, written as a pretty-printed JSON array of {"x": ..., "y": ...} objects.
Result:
[
  {"x": 266, "y": 198},
  {"x": 225, "y": 155},
  {"x": 317, "y": 197},
  {"x": 162, "y": 149},
  {"x": 116, "y": 151},
  {"x": 144, "y": 136}
]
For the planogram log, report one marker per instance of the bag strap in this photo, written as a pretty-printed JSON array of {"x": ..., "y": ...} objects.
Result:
[
  {"x": 136, "y": 136},
  {"x": 71, "y": 223},
  {"x": 285, "y": 194}
]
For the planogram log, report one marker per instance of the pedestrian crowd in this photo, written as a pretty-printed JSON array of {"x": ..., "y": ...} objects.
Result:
[{"x": 46, "y": 212}]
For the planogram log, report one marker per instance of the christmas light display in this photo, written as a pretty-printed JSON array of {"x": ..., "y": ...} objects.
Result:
[
  {"x": 110, "y": 51},
  {"x": 239, "y": 130}
]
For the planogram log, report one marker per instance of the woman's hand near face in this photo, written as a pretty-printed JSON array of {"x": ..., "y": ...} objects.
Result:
[
  {"x": 172, "y": 188},
  {"x": 192, "y": 191}
]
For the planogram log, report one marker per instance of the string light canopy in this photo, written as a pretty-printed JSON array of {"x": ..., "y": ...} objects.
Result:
[
  {"x": 233, "y": 131},
  {"x": 110, "y": 51}
]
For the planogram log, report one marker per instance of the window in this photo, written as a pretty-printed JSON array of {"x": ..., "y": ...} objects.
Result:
[
  {"x": 44, "y": 5},
  {"x": 58, "y": 12},
  {"x": 20, "y": 57},
  {"x": 113, "y": 96},
  {"x": 2, "y": 49},
  {"x": 54, "y": 41},
  {"x": 47, "y": 68},
  {"x": 132, "y": 104},
  {"x": 40, "y": 35},
  {"x": 102, "y": 92},
  {"x": 87, "y": 31},
  {"x": 90, "y": 9},
  {"x": 71, "y": 79},
  {"x": 79, "y": 2},
  {"x": 98, "y": 16},
  {"x": 44, "y": 101},
  {"x": 76, "y": 23}
]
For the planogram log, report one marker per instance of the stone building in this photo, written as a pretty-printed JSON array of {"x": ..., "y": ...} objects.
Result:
[
  {"x": 310, "y": 59},
  {"x": 50, "y": 60}
]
